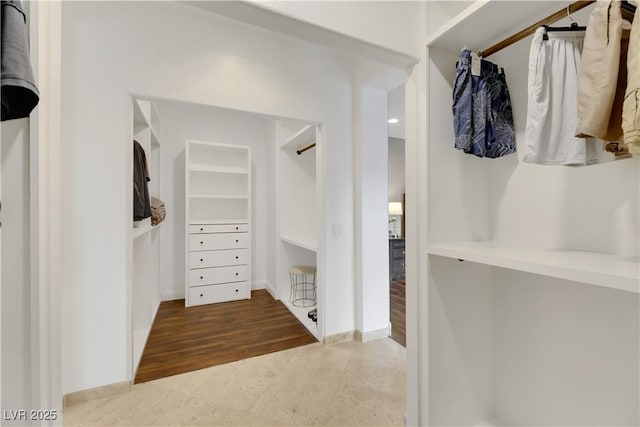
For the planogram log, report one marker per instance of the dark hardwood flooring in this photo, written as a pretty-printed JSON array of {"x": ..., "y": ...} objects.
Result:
[
  {"x": 398, "y": 311},
  {"x": 187, "y": 339}
]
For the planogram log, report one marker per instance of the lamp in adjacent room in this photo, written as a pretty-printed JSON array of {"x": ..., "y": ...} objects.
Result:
[{"x": 395, "y": 211}]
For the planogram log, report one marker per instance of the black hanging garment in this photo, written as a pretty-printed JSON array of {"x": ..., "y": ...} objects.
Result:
[
  {"x": 19, "y": 92},
  {"x": 141, "y": 200}
]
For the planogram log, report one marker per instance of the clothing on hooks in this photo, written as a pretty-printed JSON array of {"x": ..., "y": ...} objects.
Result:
[
  {"x": 19, "y": 92},
  {"x": 141, "y": 200},
  {"x": 602, "y": 78},
  {"x": 482, "y": 114},
  {"x": 552, "y": 103},
  {"x": 631, "y": 105}
]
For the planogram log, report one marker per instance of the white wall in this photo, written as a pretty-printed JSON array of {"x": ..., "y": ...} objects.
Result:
[
  {"x": 181, "y": 121},
  {"x": 372, "y": 250},
  {"x": 203, "y": 59},
  {"x": 396, "y": 169},
  {"x": 15, "y": 292},
  {"x": 395, "y": 25},
  {"x": 557, "y": 343}
]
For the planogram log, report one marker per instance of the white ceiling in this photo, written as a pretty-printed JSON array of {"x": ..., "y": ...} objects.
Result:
[{"x": 396, "y": 110}]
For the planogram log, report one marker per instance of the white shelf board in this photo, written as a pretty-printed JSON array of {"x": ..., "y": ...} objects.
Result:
[
  {"x": 219, "y": 145},
  {"x": 216, "y": 196},
  {"x": 217, "y": 221},
  {"x": 296, "y": 242},
  {"x": 140, "y": 337},
  {"x": 144, "y": 229},
  {"x": 486, "y": 22},
  {"x": 217, "y": 169},
  {"x": 302, "y": 138},
  {"x": 301, "y": 315},
  {"x": 599, "y": 269}
]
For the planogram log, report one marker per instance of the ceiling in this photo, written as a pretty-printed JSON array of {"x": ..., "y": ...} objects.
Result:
[{"x": 395, "y": 110}]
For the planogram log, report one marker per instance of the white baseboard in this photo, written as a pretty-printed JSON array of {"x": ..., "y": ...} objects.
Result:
[
  {"x": 96, "y": 393},
  {"x": 372, "y": 335},
  {"x": 265, "y": 284},
  {"x": 172, "y": 295}
]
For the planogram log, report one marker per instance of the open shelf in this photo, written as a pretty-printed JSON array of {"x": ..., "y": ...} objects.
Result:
[
  {"x": 217, "y": 221},
  {"x": 216, "y": 196},
  {"x": 506, "y": 17},
  {"x": 303, "y": 137},
  {"x": 599, "y": 269},
  {"x": 144, "y": 229},
  {"x": 305, "y": 245},
  {"x": 301, "y": 315},
  {"x": 217, "y": 169}
]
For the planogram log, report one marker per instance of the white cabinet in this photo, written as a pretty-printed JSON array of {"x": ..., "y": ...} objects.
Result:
[
  {"x": 539, "y": 324},
  {"x": 218, "y": 209},
  {"x": 145, "y": 250}
]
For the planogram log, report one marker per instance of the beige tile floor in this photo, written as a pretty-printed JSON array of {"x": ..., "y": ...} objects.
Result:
[{"x": 347, "y": 384}]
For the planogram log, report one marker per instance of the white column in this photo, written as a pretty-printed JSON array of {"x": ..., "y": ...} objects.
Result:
[{"x": 371, "y": 216}]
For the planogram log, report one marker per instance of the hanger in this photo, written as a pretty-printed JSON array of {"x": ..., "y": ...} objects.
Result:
[{"x": 573, "y": 27}]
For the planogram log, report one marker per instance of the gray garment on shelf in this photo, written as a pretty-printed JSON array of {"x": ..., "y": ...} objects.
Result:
[{"x": 19, "y": 92}]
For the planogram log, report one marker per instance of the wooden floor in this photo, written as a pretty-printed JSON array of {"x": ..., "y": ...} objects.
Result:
[
  {"x": 187, "y": 339},
  {"x": 398, "y": 311}
]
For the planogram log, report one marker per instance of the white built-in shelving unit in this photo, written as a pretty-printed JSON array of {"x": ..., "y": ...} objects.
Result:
[
  {"x": 218, "y": 218},
  {"x": 145, "y": 258},
  {"x": 539, "y": 324},
  {"x": 297, "y": 211}
]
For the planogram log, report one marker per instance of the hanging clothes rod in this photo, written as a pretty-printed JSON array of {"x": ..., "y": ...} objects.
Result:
[
  {"x": 562, "y": 13},
  {"x": 308, "y": 147}
]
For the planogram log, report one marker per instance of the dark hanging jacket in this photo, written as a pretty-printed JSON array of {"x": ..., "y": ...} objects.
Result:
[
  {"x": 141, "y": 200},
  {"x": 19, "y": 92}
]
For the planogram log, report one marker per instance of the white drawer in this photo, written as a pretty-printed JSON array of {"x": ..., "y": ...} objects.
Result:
[
  {"x": 203, "y": 259},
  {"x": 219, "y": 293},
  {"x": 212, "y": 242},
  {"x": 212, "y": 276},
  {"x": 218, "y": 228}
]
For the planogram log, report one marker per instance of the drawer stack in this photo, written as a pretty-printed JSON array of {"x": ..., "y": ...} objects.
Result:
[{"x": 218, "y": 263}]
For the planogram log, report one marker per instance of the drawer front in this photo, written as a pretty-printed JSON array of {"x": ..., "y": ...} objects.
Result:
[
  {"x": 218, "y": 228},
  {"x": 211, "y": 276},
  {"x": 219, "y": 293},
  {"x": 212, "y": 242},
  {"x": 397, "y": 244},
  {"x": 204, "y": 259}
]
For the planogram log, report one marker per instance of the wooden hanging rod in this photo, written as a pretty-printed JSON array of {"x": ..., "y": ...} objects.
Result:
[
  {"x": 628, "y": 10},
  {"x": 308, "y": 147},
  {"x": 562, "y": 13}
]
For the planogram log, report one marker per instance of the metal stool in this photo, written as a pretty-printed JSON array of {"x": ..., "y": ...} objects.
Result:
[{"x": 303, "y": 285}]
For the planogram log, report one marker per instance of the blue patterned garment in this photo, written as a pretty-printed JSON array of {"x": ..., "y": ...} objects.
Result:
[{"x": 482, "y": 114}]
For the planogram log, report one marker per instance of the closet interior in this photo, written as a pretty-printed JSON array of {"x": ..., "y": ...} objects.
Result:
[
  {"x": 145, "y": 262},
  {"x": 241, "y": 212},
  {"x": 533, "y": 271},
  {"x": 297, "y": 194}
]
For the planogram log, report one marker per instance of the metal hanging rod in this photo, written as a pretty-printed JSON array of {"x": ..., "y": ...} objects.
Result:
[
  {"x": 308, "y": 147},
  {"x": 562, "y": 13}
]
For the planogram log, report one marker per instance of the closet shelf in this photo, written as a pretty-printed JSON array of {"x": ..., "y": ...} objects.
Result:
[
  {"x": 599, "y": 269},
  {"x": 217, "y": 221},
  {"x": 217, "y": 169},
  {"x": 144, "y": 229},
  {"x": 296, "y": 242},
  {"x": 303, "y": 137},
  {"x": 469, "y": 28},
  {"x": 216, "y": 196}
]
